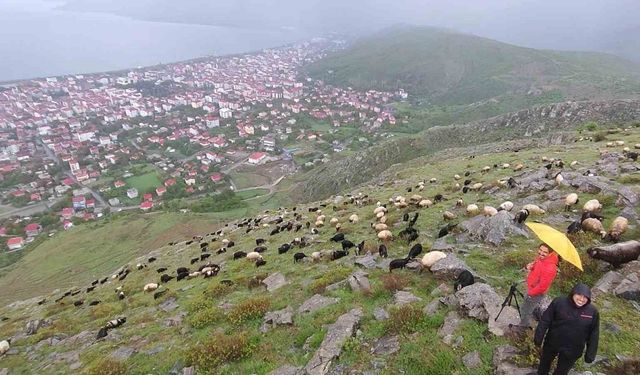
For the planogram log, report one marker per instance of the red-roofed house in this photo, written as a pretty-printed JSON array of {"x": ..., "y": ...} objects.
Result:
[
  {"x": 257, "y": 157},
  {"x": 35, "y": 197},
  {"x": 33, "y": 229},
  {"x": 68, "y": 181},
  {"x": 91, "y": 203},
  {"x": 3, "y": 231},
  {"x": 147, "y": 197},
  {"x": 216, "y": 177},
  {"x": 79, "y": 202},
  {"x": 170, "y": 182},
  {"x": 119, "y": 184},
  {"x": 67, "y": 225},
  {"x": 15, "y": 243},
  {"x": 67, "y": 213},
  {"x": 146, "y": 205},
  {"x": 160, "y": 190}
]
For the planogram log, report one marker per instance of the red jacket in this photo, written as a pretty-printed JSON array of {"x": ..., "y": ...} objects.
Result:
[{"x": 542, "y": 274}]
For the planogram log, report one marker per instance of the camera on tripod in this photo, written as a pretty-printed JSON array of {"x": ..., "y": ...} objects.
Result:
[{"x": 512, "y": 296}]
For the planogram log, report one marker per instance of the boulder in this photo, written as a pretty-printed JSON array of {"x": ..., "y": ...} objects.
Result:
[
  {"x": 472, "y": 360},
  {"x": 607, "y": 282},
  {"x": 451, "y": 323},
  {"x": 331, "y": 346},
  {"x": 432, "y": 307},
  {"x": 481, "y": 302},
  {"x": 441, "y": 245},
  {"x": 493, "y": 229},
  {"x": 315, "y": 303},
  {"x": 629, "y": 288},
  {"x": 402, "y": 298},
  {"x": 380, "y": 314},
  {"x": 367, "y": 261},
  {"x": 274, "y": 281},
  {"x": 287, "y": 370},
  {"x": 273, "y": 319},
  {"x": 168, "y": 304},
  {"x": 123, "y": 353},
  {"x": 501, "y": 357},
  {"x": 34, "y": 325},
  {"x": 359, "y": 282},
  {"x": 386, "y": 345},
  {"x": 449, "y": 267}
]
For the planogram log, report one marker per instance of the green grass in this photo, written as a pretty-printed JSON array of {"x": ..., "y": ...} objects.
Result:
[
  {"x": 248, "y": 194},
  {"x": 145, "y": 183}
]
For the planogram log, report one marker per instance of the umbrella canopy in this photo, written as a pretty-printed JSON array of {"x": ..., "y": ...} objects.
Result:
[{"x": 558, "y": 241}]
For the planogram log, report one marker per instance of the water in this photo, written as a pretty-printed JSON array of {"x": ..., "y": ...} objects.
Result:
[{"x": 38, "y": 41}]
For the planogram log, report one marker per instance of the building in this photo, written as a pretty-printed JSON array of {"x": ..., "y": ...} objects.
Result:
[
  {"x": 226, "y": 113},
  {"x": 79, "y": 202},
  {"x": 15, "y": 243},
  {"x": 33, "y": 229},
  {"x": 160, "y": 190},
  {"x": 146, "y": 205},
  {"x": 132, "y": 193}
]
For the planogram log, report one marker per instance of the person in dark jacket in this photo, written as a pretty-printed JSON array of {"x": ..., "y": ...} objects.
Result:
[{"x": 568, "y": 324}]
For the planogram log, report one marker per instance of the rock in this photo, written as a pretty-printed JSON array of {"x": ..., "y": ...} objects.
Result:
[
  {"x": 155, "y": 350},
  {"x": 450, "y": 300},
  {"x": 493, "y": 230},
  {"x": 123, "y": 353},
  {"x": 432, "y": 307},
  {"x": 69, "y": 357},
  {"x": 368, "y": 261},
  {"x": 380, "y": 314},
  {"x": 480, "y": 301},
  {"x": 449, "y": 267},
  {"x": 441, "y": 245},
  {"x": 287, "y": 370},
  {"x": 607, "y": 282},
  {"x": 472, "y": 360},
  {"x": 511, "y": 369},
  {"x": 274, "y": 281},
  {"x": 629, "y": 288},
  {"x": 442, "y": 289},
  {"x": 75, "y": 366},
  {"x": 273, "y": 319},
  {"x": 168, "y": 304},
  {"x": 176, "y": 369},
  {"x": 386, "y": 345},
  {"x": 359, "y": 282},
  {"x": 403, "y": 298},
  {"x": 81, "y": 339},
  {"x": 501, "y": 357},
  {"x": 315, "y": 303},
  {"x": 4, "y": 371},
  {"x": 331, "y": 346},
  {"x": 189, "y": 371},
  {"x": 174, "y": 321},
  {"x": 414, "y": 265},
  {"x": 612, "y": 327},
  {"x": 383, "y": 264},
  {"x": 339, "y": 285},
  {"x": 34, "y": 325},
  {"x": 451, "y": 323}
]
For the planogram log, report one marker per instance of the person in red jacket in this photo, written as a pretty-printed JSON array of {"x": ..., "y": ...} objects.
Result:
[{"x": 542, "y": 272}]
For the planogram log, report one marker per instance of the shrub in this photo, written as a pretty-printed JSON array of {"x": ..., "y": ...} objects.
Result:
[
  {"x": 249, "y": 309},
  {"x": 405, "y": 319},
  {"x": 599, "y": 136},
  {"x": 393, "y": 282},
  {"x": 318, "y": 286},
  {"x": 204, "y": 317},
  {"x": 217, "y": 290},
  {"x": 107, "y": 309},
  {"x": 517, "y": 258},
  {"x": 199, "y": 303},
  {"x": 219, "y": 349},
  {"x": 108, "y": 366}
]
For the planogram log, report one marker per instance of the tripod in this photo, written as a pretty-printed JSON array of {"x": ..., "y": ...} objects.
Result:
[{"x": 512, "y": 296}]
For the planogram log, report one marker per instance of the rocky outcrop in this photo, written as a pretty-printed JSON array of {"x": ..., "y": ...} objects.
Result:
[
  {"x": 493, "y": 230},
  {"x": 331, "y": 346},
  {"x": 274, "y": 281},
  {"x": 316, "y": 303},
  {"x": 449, "y": 267},
  {"x": 273, "y": 319},
  {"x": 481, "y": 302}
]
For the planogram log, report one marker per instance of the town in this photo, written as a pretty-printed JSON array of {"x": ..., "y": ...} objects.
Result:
[{"x": 75, "y": 148}]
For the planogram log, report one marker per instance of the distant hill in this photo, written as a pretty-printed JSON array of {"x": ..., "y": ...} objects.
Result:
[{"x": 446, "y": 67}]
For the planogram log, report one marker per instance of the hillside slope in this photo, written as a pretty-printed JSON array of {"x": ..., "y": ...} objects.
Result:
[
  {"x": 221, "y": 324},
  {"x": 448, "y": 68}
]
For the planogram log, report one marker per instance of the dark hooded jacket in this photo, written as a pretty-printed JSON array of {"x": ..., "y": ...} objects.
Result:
[{"x": 568, "y": 328}]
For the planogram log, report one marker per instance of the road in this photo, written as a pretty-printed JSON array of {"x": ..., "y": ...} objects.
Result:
[{"x": 25, "y": 211}]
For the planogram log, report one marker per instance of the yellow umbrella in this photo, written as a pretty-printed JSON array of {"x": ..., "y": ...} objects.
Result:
[{"x": 558, "y": 241}]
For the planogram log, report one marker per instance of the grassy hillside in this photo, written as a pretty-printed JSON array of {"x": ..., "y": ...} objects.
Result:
[
  {"x": 215, "y": 327},
  {"x": 444, "y": 67}
]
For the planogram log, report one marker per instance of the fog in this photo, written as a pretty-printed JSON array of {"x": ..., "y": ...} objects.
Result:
[{"x": 609, "y": 26}]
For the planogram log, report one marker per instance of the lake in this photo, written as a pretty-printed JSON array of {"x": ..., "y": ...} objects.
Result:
[{"x": 38, "y": 41}]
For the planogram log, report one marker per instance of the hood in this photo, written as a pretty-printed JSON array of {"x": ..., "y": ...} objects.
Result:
[{"x": 581, "y": 289}]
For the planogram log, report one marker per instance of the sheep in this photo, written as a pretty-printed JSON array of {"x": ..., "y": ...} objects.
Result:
[
  {"x": 260, "y": 241},
  {"x": 94, "y": 303},
  {"x": 221, "y": 250},
  {"x": 338, "y": 237},
  {"x": 161, "y": 269},
  {"x": 448, "y": 215},
  {"x": 353, "y": 219},
  {"x": 385, "y": 235},
  {"x": 425, "y": 203},
  {"x": 433, "y": 180},
  {"x": 180, "y": 270},
  {"x": 90, "y": 289},
  {"x": 485, "y": 169},
  {"x": 379, "y": 209},
  {"x": 337, "y": 254},
  {"x": 5, "y": 345},
  {"x": 193, "y": 275},
  {"x": 636, "y": 146},
  {"x": 505, "y": 206},
  {"x": 464, "y": 279},
  {"x": 518, "y": 167},
  {"x": 592, "y": 205},
  {"x": 346, "y": 244},
  {"x": 115, "y": 323},
  {"x": 298, "y": 257},
  {"x": 334, "y": 221},
  {"x": 408, "y": 234},
  {"x": 284, "y": 248},
  {"x": 559, "y": 179},
  {"x": 253, "y": 256},
  {"x": 383, "y": 220},
  {"x": 430, "y": 258},
  {"x": 382, "y": 250},
  {"x": 521, "y": 216},
  {"x": 534, "y": 209},
  {"x": 379, "y": 227},
  {"x": 415, "y": 251},
  {"x": 618, "y": 227},
  {"x": 477, "y": 186},
  {"x": 489, "y": 211},
  {"x": 574, "y": 227},
  {"x": 239, "y": 254},
  {"x": 570, "y": 200},
  {"x": 472, "y": 209},
  {"x": 121, "y": 295},
  {"x": 594, "y": 226},
  {"x": 260, "y": 262},
  {"x": 160, "y": 293},
  {"x": 316, "y": 256},
  {"x": 456, "y": 177},
  {"x": 617, "y": 254},
  {"x": 150, "y": 287},
  {"x": 195, "y": 260},
  {"x": 398, "y": 263},
  {"x": 446, "y": 229}
]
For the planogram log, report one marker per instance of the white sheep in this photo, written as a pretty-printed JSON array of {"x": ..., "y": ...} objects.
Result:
[
  {"x": 477, "y": 186},
  {"x": 385, "y": 235},
  {"x": 383, "y": 219},
  {"x": 433, "y": 180},
  {"x": 425, "y": 203},
  {"x": 473, "y": 209},
  {"x": 253, "y": 256},
  {"x": 506, "y": 206},
  {"x": 379, "y": 209},
  {"x": 380, "y": 214},
  {"x": 618, "y": 227},
  {"x": 636, "y": 146},
  {"x": 570, "y": 200},
  {"x": 456, "y": 176},
  {"x": 316, "y": 256},
  {"x": 321, "y": 217},
  {"x": 150, "y": 287},
  {"x": 380, "y": 227},
  {"x": 559, "y": 179},
  {"x": 448, "y": 215},
  {"x": 489, "y": 211},
  {"x": 593, "y": 225},
  {"x": 353, "y": 219},
  {"x": 619, "y": 143},
  {"x": 518, "y": 167},
  {"x": 486, "y": 169},
  {"x": 4, "y": 346},
  {"x": 430, "y": 258},
  {"x": 592, "y": 206},
  {"x": 333, "y": 221},
  {"x": 534, "y": 209},
  {"x": 319, "y": 224},
  {"x": 415, "y": 198}
]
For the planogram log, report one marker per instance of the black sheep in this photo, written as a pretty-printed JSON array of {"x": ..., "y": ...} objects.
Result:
[
  {"x": 260, "y": 249},
  {"x": 337, "y": 254},
  {"x": 195, "y": 260},
  {"x": 360, "y": 248},
  {"x": 78, "y": 303},
  {"x": 521, "y": 216},
  {"x": 231, "y": 244},
  {"x": 188, "y": 242},
  {"x": 75, "y": 292},
  {"x": 438, "y": 198},
  {"x": 90, "y": 289},
  {"x": 397, "y": 263},
  {"x": 414, "y": 219},
  {"x": 465, "y": 189},
  {"x": 260, "y": 241},
  {"x": 382, "y": 250},
  {"x": 415, "y": 251},
  {"x": 274, "y": 231},
  {"x": 467, "y": 182},
  {"x": 298, "y": 227},
  {"x": 284, "y": 248},
  {"x": 221, "y": 250},
  {"x": 93, "y": 303},
  {"x": 182, "y": 270},
  {"x": 95, "y": 282},
  {"x": 151, "y": 260},
  {"x": 405, "y": 217},
  {"x": 260, "y": 263},
  {"x": 632, "y": 155},
  {"x": 203, "y": 245},
  {"x": 161, "y": 269},
  {"x": 346, "y": 245},
  {"x": 124, "y": 275},
  {"x": 182, "y": 276},
  {"x": 409, "y": 234},
  {"x": 338, "y": 237},
  {"x": 512, "y": 183},
  {"x": 159, "y": 294},
  {"x": 298, "y": 257},
  {"x": 42, "y": 301},
  {"x": 574, "y": 227},
  {"x": 588, "y": 214},
  {"x": 446, "y": 229},
  {"x": 104, "y": 280},
  {"x": 165, "y": 278},
  {"x": 121, "y": 295},
  {"x": 464, "y": 279},
  {"x": 239, "y": 255},
  {"x": 204, "y": 256}
]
